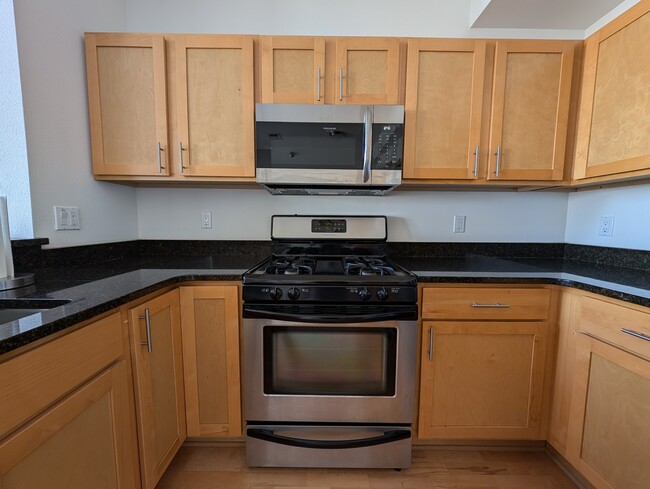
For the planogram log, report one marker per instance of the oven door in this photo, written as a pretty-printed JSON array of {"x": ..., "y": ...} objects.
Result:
[{"x": 329, "y": 372}]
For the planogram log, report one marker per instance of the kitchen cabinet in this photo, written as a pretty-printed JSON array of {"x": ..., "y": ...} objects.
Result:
[
  {"x": 68, "y": 406},
  {"x": 215, "y": 96},
  {"x": 448, "y": 84},
  {"x": 483, "y": 362},
  {"x": 443, "y": 110},
  {"x": 614, "y": 117},
  {"x": 155, "y": 331},
  {"x": 340, "y": 70},
  {"x": 567, "y": 328},
  {"x": 609, "y": 435},
  {"x": 210, "y": 323},
  {"x": 127, "y": 103},
  {"x": 530, "y": 109},
  {"x": 293, "y": 70}
]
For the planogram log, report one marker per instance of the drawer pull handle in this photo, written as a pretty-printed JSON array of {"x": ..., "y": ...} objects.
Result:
[
  {"x": 492, "y": 306},
  {"x": 430, "y": 344},
  {"x": 635, "y": 334}
]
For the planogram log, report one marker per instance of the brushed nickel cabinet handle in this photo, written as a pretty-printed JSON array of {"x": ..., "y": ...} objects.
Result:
[
  {"x": 318, "y": 85},
  {"x": 340, "y": 84},
  {"x": 496, "y": 305},
  {"x": 160, "y": 166},
  {"x": 180, "y": 154},
  {"x": 498, "y": 154},
  {"x": 476, "y": 161},
  {"x": 147, "y": 322},
  {"x": 430, "y": 344},
  {"x": 636, "y": 334}
]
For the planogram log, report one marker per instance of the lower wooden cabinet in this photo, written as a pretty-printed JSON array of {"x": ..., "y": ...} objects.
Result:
[
  {"x": 68, "y": 409},
  {"x": 155, "y": 330},
  {"x": 609, "y": 434},
  {"x": 482, "y": 380},
  {"x": 484, "y": 362},
  {"x": 210, "y": 317}
]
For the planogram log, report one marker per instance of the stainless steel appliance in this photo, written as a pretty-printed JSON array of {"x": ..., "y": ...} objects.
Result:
[
  {"x": 329, "y": 149},
  {"x": 330, "y": 335}
]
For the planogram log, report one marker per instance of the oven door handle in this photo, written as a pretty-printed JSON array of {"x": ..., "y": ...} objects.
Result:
[
  {"x": 326, "y": 318},
  {"x": 387, "y": 437}
]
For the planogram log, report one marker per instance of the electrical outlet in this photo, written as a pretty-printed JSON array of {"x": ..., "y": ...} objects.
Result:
[
  {"x": 66, "y": 218},
  {"x": 459, "y": 224},
  {"x": 606, "y": 226},
  {"x": 206, "y": 220}
]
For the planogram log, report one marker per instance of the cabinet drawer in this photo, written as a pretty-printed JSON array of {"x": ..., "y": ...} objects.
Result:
[
  {"x": 485, "y": 303},
  {"x": 607, "y": 321},
  {"x": 37, "y": 379}
]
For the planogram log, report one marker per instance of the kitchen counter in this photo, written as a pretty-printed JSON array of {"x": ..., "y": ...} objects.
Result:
[{"x": 95, "y": 289}]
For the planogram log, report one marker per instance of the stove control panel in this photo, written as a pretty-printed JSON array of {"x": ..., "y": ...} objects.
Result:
[{"x": 334, "y": 293}]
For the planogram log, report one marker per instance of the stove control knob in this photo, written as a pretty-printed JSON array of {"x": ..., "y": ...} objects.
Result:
[
  {"x": 364, "y": 294},
  {"x": 382, "y": 294},
  {"x": 293, "y": 293},
  {"x": 275, "y": 293}
]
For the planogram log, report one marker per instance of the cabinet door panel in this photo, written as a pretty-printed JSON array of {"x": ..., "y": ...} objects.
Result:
[
  {"x": 159, "y": 383},
  {"x": 484, "y": 380},
  {"x": 609, "y": 433},
  {"x": 210, "y": 317},
  {"x": 127, "y": 102},
  {"x": 215, "y": 105},
  {"x": 530, "y": 109},
  {"x": 615, "y": 106},
  {"x": 444, "y": 99},
  {"x": 367, "y": 70},
  {"x": 86, "y": 440},
  {"x": 293, "y": 70}
]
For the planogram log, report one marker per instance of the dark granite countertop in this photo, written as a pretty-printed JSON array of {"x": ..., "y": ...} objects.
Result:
[{"x": 95, "y": 289}]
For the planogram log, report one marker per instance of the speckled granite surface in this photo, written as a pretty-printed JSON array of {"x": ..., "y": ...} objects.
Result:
[{"x": 94, "y": 288}]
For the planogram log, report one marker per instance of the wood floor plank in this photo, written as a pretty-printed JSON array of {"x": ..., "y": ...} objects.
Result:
[{"x": 196, "y": 467}]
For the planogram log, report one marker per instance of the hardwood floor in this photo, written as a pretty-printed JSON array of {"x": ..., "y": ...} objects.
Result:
[{"x": 432, "y": 468}]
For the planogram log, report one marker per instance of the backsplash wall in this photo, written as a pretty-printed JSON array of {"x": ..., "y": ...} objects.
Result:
[{"x": 413, "y": 215}]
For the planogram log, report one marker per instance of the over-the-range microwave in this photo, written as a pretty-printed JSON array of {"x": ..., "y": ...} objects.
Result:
[{"x": 329, "y": 149}]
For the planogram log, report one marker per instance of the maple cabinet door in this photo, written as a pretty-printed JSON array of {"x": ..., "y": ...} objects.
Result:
[{"x": 127, "y": 101}]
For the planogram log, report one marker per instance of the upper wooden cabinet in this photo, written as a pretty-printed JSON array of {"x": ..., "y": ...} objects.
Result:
[
  {"x": 127, "y": 102},
  {"x": 444, "y": 100},
  {"x": 367, "y": 70},
  {"x": 317, "y": 70},
  {"x": 447, "y": 131},
  {"x": 214, "y": 83},
  {"x": 614, "y": 118},
  {"x": 293, "y": 70},
  {"x": 530, "y": 109}
]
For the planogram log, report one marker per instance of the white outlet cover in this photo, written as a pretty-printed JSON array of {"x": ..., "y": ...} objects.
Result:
[
  {"x": 459, "y": 224},
  {"x": 66, "y": 218},
  {"x": 606, "y": 226}
]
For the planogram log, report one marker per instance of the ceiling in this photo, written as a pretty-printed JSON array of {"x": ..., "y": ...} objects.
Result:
[{"x": 540, "y": 14}]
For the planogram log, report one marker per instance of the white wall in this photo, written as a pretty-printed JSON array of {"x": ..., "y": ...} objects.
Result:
[
  {"x": 50, "y": 49},
  {"x": 415, "y": 18},
  {"x": 413, "y": 215},
  {"x": 14, "y": 175},
  {"x": 630, "y": 207}
]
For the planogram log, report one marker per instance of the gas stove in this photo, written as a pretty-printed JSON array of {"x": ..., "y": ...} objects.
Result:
[{"x": 329, "y": 259}]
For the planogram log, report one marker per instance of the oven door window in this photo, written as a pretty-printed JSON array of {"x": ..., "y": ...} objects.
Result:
[
  {"x": 330, "y": 361},
  {"x": 315, "y": 146}
]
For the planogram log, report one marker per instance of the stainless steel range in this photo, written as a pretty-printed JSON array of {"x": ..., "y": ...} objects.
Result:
[{"x": 330, "y": 335}]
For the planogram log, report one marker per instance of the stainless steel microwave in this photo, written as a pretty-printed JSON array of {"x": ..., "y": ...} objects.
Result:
[{"x": 329, "y": 149}]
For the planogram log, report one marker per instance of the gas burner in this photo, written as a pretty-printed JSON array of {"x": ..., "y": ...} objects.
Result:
[
  {"x": 366, "y": 266},
  {"x": 291, "y": 266}
]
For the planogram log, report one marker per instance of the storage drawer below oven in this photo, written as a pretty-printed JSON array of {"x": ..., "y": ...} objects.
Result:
[{"x": 328, "y": 446}]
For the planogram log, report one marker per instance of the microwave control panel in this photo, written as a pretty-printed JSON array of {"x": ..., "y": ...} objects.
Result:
[{"x": 387, "y": 146}]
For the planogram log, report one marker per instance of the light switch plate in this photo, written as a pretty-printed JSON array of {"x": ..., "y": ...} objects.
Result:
[{"x": 66, "y": 218}]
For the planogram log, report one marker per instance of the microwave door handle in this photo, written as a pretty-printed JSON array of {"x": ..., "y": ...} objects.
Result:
[{"x": 367, "y": 140}]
